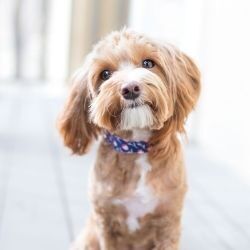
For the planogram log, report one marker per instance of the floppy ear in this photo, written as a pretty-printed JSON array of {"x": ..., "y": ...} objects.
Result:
[
  {"x": 74, "y": 124},
  {"x": 183, "y": 77},
  {"x": 187, "y": 89}
]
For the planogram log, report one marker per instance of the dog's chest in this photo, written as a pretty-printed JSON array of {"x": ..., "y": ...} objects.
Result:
[{"x": 142, "y": 201}]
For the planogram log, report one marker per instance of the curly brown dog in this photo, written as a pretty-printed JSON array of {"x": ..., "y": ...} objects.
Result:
[{"x": 135, "y": 93}]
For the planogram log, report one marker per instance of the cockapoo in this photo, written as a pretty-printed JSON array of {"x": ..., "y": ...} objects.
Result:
[{"x": 135, "y": 94}]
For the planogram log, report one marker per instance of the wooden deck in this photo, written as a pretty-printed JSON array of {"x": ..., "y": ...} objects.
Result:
[{"x": 43, "y": 190}]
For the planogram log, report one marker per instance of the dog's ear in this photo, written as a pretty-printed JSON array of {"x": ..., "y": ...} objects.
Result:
[
  {"x": 74, "y": 125},
  {"x": 183, "y": 79},
  {"x": 187, "y": 89}
]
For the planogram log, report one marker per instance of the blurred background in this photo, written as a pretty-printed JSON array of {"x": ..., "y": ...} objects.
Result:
[{"x": 43, "y": 189}]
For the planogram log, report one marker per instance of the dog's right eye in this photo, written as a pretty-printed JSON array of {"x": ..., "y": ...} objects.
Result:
[
  {"x": 148, "y": 64},
  {"x": 105, "y": 74}
]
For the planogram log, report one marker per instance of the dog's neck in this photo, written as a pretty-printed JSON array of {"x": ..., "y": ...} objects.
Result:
[{"x": 135, "y": 141}]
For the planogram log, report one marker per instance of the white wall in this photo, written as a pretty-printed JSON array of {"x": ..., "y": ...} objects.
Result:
[
  {"x": 217, "y": 34},
  {"x": 225, "y": 116}
]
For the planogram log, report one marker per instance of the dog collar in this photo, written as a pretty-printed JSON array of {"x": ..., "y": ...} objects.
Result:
[{"x": 123, "y": 146}]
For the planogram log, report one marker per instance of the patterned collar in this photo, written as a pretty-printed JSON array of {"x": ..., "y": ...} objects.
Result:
[{"x": 123, "y": 146}]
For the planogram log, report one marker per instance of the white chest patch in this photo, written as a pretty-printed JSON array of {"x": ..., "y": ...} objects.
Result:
[{"x": 142, "y": 201}]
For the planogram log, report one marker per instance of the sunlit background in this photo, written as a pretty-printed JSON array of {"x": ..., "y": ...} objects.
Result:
[{"x": 43, "y": 189}]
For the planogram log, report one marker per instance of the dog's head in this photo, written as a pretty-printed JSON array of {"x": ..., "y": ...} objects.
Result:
[{"x": 129, "y": 82}]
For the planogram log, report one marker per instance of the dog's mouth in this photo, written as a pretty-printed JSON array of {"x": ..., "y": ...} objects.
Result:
[{"x": 134, "y": 105}]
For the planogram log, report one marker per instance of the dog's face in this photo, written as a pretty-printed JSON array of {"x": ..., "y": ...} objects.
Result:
[{"x": 129, "y": 82}]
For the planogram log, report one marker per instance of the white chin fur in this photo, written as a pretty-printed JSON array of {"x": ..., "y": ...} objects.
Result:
[{"x": 137, "y": 117}]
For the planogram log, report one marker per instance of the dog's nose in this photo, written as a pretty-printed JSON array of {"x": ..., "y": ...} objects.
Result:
[{"x": 131, "y": 91}]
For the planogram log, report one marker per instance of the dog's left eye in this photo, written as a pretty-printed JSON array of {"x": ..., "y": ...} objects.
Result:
[
  {"x": 105, "y": 74},
  {"x": 148, "y": 64}
]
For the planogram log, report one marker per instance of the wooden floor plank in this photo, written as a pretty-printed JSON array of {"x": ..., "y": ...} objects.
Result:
[
  {"x": 33, "y": 210},
  {"x": 7, "y": 103},
  {"x": 213, "y": 184}
]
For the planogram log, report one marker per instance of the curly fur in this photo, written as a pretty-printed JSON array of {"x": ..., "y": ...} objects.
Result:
[{"x": 137, "y": 200}]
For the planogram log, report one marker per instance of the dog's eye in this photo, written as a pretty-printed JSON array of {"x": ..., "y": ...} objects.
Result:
[
  {"x": 148, "y": 64},
  {"x": 105, "y": 74}
]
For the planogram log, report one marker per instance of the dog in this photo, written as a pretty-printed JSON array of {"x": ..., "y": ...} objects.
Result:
[{"x": 135, "y": 94}]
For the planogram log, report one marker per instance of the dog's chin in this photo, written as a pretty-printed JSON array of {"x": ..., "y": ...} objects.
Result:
[{"x": 137, "y": 116}]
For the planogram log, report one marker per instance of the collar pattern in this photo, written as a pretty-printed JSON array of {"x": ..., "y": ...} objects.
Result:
[{"x": 123, "y": 146}]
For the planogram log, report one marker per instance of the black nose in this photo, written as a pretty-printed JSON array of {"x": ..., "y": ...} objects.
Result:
[{"x": 131, "y": 91}]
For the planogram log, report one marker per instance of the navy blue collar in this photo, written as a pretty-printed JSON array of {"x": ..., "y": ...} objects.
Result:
[{"x": 123, "y": 146}]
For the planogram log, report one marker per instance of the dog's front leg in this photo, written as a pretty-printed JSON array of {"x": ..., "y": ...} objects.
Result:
[
  {"x": 106, "y": 239},
  {"x": 171, "y": 242},
  {"x": 168, "y": 236},
  {"x": 167, "y": 245},
  {"x": 106, "y": 242}
]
